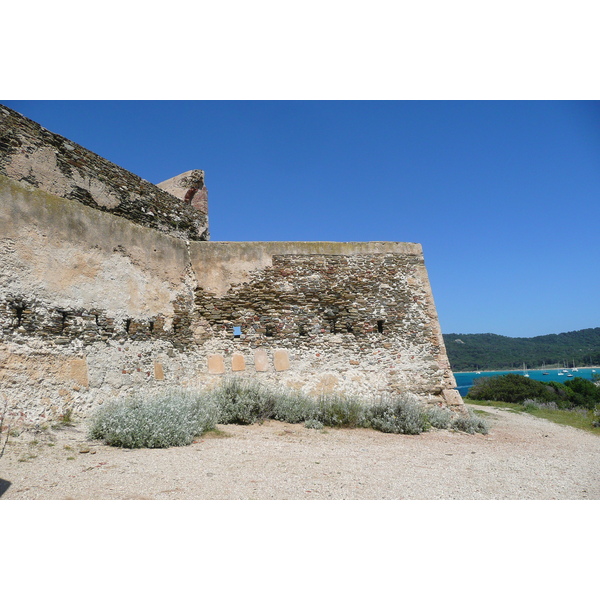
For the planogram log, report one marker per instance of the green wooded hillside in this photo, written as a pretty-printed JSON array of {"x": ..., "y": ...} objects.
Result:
[{"x": 488, "y": 351}]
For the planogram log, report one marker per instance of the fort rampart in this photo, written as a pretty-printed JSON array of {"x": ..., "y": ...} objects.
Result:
[{"x": 97, "y": 301}]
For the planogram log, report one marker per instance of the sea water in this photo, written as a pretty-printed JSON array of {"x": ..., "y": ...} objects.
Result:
[{"x": 464, "y": 381}]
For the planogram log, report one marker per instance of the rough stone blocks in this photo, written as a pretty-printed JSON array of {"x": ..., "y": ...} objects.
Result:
[{"x": 452, "y": 397}]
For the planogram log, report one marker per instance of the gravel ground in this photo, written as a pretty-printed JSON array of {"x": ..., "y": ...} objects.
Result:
[{"x": 522, "y": 457}]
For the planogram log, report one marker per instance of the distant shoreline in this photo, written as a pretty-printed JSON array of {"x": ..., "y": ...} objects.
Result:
[{"x": 521, "y": 370}]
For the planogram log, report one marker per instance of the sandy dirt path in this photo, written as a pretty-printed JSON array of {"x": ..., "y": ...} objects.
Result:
[{"x": 523, "y": 457}]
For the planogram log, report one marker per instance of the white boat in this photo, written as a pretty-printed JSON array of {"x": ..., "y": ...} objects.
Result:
[{"x": 525, "y": 373}]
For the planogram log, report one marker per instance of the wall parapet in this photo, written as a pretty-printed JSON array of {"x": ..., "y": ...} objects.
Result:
[{"x": 48, "y": 161}]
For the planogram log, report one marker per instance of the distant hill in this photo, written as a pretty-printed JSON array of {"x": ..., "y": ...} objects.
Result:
[{"x": 487, "y": 351}]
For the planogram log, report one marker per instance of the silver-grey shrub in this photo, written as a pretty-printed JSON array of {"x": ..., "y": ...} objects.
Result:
[
  {"x": 337, "y": 410},
  {"x": 3, "y": 434},
  {"x": 529, "y": 403},
  {"x": 439, "y": 417},
  {"x": 169, "y": 417},
  {"x": 292, "y": 406},
  {"x": 470, "y": 423},
  {"x": 398, "y": 415},
  {"x": 243, "y": 401}
]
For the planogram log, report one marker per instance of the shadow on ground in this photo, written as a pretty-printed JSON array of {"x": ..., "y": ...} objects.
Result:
[{"x": 4, "y": 485}]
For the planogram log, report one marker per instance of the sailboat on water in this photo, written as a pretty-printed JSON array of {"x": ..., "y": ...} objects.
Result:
[
  {"x": 566, "y": 369},
  {"x": 563, "y": 371},
  {"x": 525, "y": 373}
]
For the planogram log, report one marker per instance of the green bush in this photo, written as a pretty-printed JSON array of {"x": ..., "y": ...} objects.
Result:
[
  {"x": 243, "y": 401},
  {"x": 516, "y": 388},
  {"x": 563, "y": 395},
  {"x": 398, "y": 415},
  {"x": 584, "y": 392},
  {"x": 171, "y": 417}
]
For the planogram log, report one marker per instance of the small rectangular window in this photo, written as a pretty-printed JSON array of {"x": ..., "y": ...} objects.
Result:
[
  {"x": 237, "y": 332},
  {"x": 380, "y": 326}
]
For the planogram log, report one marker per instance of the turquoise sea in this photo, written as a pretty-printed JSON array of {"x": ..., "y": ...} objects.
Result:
[{"x": 464, "y": 381}]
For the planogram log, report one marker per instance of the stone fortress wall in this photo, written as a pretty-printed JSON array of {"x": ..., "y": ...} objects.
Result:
[{"x": 98, "y": 301}]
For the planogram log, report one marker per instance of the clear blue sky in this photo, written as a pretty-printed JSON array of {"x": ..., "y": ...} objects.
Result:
[{"x": 503, "y": 195}]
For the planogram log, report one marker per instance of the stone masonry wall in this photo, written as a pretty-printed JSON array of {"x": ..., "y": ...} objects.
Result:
[
  {"x": 52, "y": 163},
  {"x": 357, "y": 318},
  {"x": 93, "y": 306},
  {"x": 107, "y": 288}
]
